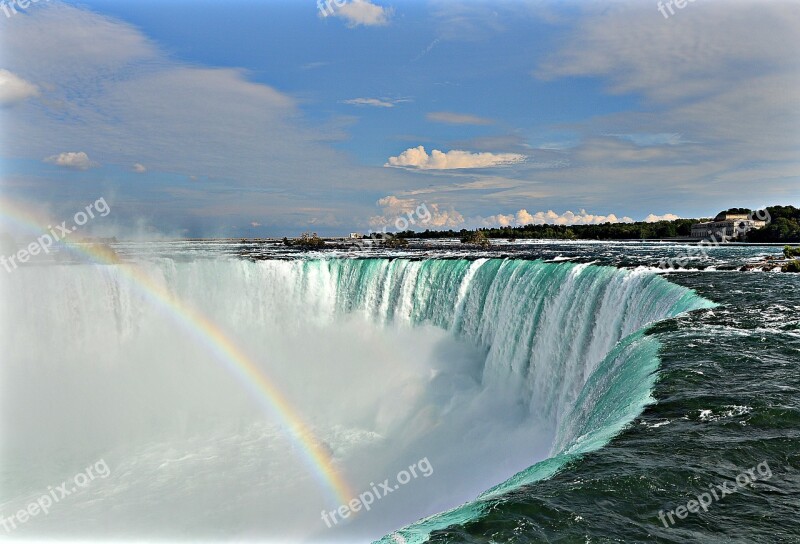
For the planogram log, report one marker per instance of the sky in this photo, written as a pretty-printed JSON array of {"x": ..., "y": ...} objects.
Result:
[{"x": 269, "y": 118}]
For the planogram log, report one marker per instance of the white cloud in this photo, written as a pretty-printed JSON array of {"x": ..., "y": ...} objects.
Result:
[
  {"x": 417, "y": 157},
  {"x": 652, "y": 218},
  {"x": 72, "y": 159},
  {"x": 376, "y": 102},
  {"x": 523, "y": 217},
  {"x": 362, "y": 12},
  {"x": 139, "y": 168},
  {"x": 255, "y": 224},
  {"x": 14, "y": 89},
  {"x": 458, "y": 118}
]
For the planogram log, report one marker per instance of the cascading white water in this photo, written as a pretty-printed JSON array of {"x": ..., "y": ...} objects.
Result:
[{"x": 483, "y": 367}]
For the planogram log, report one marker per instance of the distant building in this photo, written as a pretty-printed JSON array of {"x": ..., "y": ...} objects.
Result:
[
  {"x": 730, "y": 225},
  {"x": 355, "y": 236}
]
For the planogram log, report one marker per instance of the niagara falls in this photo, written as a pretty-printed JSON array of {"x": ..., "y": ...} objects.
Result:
[{"x": 399, "y": 271}]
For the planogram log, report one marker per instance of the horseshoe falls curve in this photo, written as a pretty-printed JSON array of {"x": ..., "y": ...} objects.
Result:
[{"x": 497, "y": 371}]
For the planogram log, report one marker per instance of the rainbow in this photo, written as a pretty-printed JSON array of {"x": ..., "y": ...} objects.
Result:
[{"x": 204, "y": 330}]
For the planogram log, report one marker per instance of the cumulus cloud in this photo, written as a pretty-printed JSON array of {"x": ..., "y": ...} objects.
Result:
[
  {"x": 457, "y": 118},
  {"x": 418, "y": 158},
  {"x": 652, "y": 218},
  {"x": 14, "y": 89},
  {"x": 523, "y": 217},
  {"x": 72, "y": 159},
  {"x": 397, "y": 214},
  {"x": 139, "y": 168},
  {"x": 362, "y": 12},
  {"x": 375, "y": 102}
]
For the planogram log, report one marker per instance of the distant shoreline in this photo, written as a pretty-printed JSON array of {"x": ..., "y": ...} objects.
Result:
[{"x": 411, "y": 239}]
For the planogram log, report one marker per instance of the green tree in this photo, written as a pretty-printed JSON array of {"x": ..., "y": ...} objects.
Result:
[{"x": 790, "y": 252}]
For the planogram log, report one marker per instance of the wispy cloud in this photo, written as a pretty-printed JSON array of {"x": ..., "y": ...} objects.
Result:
[
  {"x": 418, "y": 158},
  {"x": 314, "y": 65},
  {"x": 645, "y": 140},
  {"x": 426, "y": 50},
  {"x": 458, "y": 118},
  {"x": 703, "y": 81},
  {"x": 374, "y": 102}
]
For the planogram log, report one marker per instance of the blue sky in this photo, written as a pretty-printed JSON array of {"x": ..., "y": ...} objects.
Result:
[{"x": 265, "y": 118}]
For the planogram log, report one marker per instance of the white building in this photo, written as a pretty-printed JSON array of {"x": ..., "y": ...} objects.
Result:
[{"x": 727, "y": 226}]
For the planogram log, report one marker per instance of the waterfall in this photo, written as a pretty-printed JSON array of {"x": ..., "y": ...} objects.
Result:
[{"x": 559, "y": 346}]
